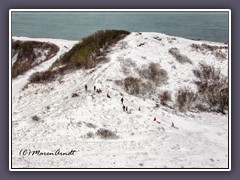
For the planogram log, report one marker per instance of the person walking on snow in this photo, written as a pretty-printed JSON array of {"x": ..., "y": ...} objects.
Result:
[
  {"x": 94, "y": 88},
  {"x": 108, "y": 96},
  {"x": 122, "y": 100},
  {"x": 174, "y": 126},
  {"x": 85, "y": 87}
]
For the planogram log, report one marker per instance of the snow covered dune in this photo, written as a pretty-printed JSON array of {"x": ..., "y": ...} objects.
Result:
[{"x": 152, "y": 133}]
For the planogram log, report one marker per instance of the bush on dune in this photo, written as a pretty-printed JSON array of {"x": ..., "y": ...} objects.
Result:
[
  {"x": 217, "y": 51},
  {"x": 165, "y": 97},
  {"x": 106, "y": 134},
  {"x": 185, "y": 98},
  {"x": 28, "y": 54},
  {"x": 179, "y": 57},
  {"x": 42, "y": 77},
  {"x": 212, "y": 91},
  {"x": 132, "y": 85},
  {"x": 86, "y": 54},
  {"x": 91, "y": 50},
  {"x": 154, "y": 73}
]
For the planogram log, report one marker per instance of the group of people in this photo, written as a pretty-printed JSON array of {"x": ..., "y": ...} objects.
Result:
[
  {"x": 94, "y": 88},
  {"x": 98, "y": 90},
  {"x": 125, "y": 108}
]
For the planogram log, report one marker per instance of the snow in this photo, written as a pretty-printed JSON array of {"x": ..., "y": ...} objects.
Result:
[{"x": 199, "y": 141}]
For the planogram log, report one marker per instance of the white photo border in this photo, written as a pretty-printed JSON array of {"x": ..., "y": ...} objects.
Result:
[{"x": 114, "y": 11}]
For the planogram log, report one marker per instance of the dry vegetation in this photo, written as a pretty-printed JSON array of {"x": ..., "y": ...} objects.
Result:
[
  {"x": 106, "y": 134},
  {"x": 28, "y": 53},
  {"x": 165, "y": 97},
  {"x": 86, "y": 54},
  {"x": 179, "y": 57},
  {"x": 185, "y": 98},
  {"x": 203, "y": 47},
  {"x": 91, "y": 50},
  {"x": 217, "y": 51},
  {"x": 150, "y": 77},
  {"x": 212, "y": 91},
  {"x": 132, "y": 85},
  {"x": 212, "y": 87},
  {"x": 136, "y": 86},
  {"x": 154, "y": 73},
  {"x": 42, "y": 77}
]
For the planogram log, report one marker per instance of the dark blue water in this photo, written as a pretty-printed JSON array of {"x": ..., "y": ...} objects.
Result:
[{"x": 76, "y": 25}]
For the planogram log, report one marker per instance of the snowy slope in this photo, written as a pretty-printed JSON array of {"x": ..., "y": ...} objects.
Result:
[{"x": 66, "y": 122}]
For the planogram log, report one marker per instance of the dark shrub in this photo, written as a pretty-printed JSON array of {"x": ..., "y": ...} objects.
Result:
[
  {"x": 28, "y": 54},
  {"x": 206, "y": 74},
  {"x": 215, "y": 50},
  {"x": 106, "y": 134},
  {"x": 135, "y": 86},
  {"x": 154, "y": 73},
  {"x": 201, "y": 107},
  {"x": 165, "y": 97},
  {"x": 223, "y": 100},
  {"x": 20, "y": 67},
  {"x": 132, "y": 85},
  {"x": 42, "y": 77},
  {"x": 216, "y": 96},
  {"x": 212, "y": 88},
  {"x": 185, "y": 98},
  {"x": 220, "y": 55},
  {"x": 158, "y": 75},
  {"x": 179, "y": 57}
]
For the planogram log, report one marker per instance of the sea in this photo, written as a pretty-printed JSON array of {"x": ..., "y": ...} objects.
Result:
[{"x": 210, "y": 26}]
